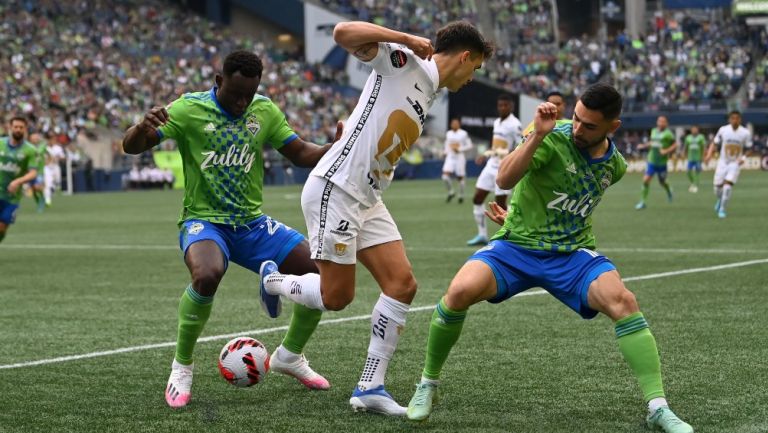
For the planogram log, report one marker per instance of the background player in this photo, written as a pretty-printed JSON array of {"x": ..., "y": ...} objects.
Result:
[
  {"x": 342, "y": 199},
  {"x": 694, "y": 150},
  {"x": 18, "y": 165},
  {"x": 457, "y": 143},
  {"x": 547, "y": 241},
  {"x": 221, "y": 134},
  {"x": 507, "y": 131},
  {"x": 732, "y": 139},
  {"x": 662, "y": 144}
]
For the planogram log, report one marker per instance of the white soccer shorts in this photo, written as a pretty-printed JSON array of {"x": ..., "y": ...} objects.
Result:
[
  {"x": 455, "y": 165},
  {"x": 727, "y": 171},
  {"x": 487, "y": 181}
]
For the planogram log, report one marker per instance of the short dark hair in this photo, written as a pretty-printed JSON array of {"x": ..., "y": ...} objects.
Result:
[
  {"x": 461, "y": 35},
  {"x": 20, "y": 118},
  {"x": 734, "y": 112},
  {"x": 554, "y": 93},
  {"x": 604, "y": 98},
  {"x": 247, "y": 63},
  {"x": 505, "y": 97}
]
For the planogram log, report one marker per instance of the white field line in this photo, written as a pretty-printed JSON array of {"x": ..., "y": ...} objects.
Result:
[
  {"x": 345, "y": 319},
  {"x": 468, "y": 250}
]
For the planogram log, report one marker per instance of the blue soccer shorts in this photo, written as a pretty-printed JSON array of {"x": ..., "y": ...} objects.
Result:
[
  {"x": 660, "y": 170},
  {"x": 694, "y": 165},
  {"x": 247, "y": 245},
  {"x": 566, "y": 276},
  {"x": 7, "y": 212}
]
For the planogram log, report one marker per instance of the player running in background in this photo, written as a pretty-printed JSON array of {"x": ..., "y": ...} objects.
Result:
[
  {"x": 38, "y": 183},
  {"x": 18, "y": 165},
  {"x": 342, "y": 199},
  {"x": 662, "y": 144},
  {"x": 694, "y": 150},
  {"x": 221, "y": 134},
  {"x": 457, "y": 143},
  {"x": 546, "y": 240},
  {"x": 507, "y": 131},
  {"x": 732, "y": 139},
  {"x": 52, "y": 179}
]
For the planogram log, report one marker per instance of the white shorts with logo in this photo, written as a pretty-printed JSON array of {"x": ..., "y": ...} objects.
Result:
[
  {"x": 456, "y": 165},
  {"x": 487, "y": 180},
  {"x": 338, "y": 225},
  {"x": 727, "y": 171}
]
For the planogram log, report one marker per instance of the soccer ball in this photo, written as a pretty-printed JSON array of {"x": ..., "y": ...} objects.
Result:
[{"x": 244, "y": 361}]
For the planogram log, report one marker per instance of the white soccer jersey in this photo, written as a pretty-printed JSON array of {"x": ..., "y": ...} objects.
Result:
[
  {"x": 506, "y": 135},
  {"x": 387, "y": 120},
  {"x": 732, "y": 142},
  {"x": 457, "y": 139}
]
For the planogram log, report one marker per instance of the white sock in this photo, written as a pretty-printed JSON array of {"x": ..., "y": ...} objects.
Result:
[
  {"x": 387, "y": 323},
  {"x": 47, "y": 193},
  {"x": 429, "y": 381},
  {"x": 656, "y": 403},
  {"x": 479, "y": 213},
  {"x": 286, "y": 355},
  {"x": 718, "y": 192},
  {"x": 461, "y": 188},
  {"x": 727, "y": 191},
  {"x": 448, "y": 183},
  {"x": 302, "y": 289}
]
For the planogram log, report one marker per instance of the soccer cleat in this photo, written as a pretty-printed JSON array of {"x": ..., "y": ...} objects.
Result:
[
  {"x": 461, "y": 200},
  {"x": 271, "y": 304},
  {"x": 422, "y": 401},
  {"x": 640, "y": 205},
  {"x": 717, "y": 205},
  {"x": 477, "y": 240},
  {"x": 450, "y": 197},
  {"x": 375, "y": 400},
  {"x": 178, "y": 392},
  {"x": 694, "y": 189},
  {"x": 670, "y": 196},
  {"x": 666, "y": 420},
  {"x": 300, "y": 370},
  {"x": 721, "y": 213}
]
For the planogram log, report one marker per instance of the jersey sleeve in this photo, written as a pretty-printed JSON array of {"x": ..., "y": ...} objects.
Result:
[
  {"x": 466, "y": 143},
  {"x": 177, "y": 113},
  {"x": 718, "y": 140},
  {"x": 619, "y": 168},
  {"x": 280, "y": 133},
  {"x": 391, "y": 59},
  {"x": 543, "y": 154}
]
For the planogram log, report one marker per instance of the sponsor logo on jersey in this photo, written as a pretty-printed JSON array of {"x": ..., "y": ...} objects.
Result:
[
  {"x": 416, "y": 85},
  {"x": 210, "y": 127},
  {"x": 605, "y": 181},
  {"x": 9, "y": 167},
  {"x": 195, "y": 228},
  {"x": 398, "y": 58},
  {"x": 253, "y": 126},
  {"x": 582, "y": 206},
  {"x": 418, "y": 109},
  {"x": 341, "y": 249},
  {"x": 233, "y": 157},
  {"x": 571, "y": 167}
]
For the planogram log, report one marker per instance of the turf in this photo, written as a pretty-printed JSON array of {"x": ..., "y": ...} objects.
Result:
[{"x": 98, "y": 272}]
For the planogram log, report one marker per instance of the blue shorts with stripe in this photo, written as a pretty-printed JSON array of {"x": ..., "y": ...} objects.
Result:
[
  {"x": 247, "y": 245},
  {"x": 7, "y": 212},
  {"x": 566, "y": 276}
]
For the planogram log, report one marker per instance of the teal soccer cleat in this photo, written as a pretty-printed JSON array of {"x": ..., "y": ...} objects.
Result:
[
  {"x": 422, "y": 402},
  {"x": 666, "y": 420}
]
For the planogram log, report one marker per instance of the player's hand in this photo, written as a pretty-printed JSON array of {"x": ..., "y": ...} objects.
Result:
[
  {"x": 13, "y": 187},
  {"x": 339, "y": 131},
  {"x": 545, "y": 118},
  {"x": 496, "y": 213},
  {"x": 480, "y": 160},
  {"x": 155, "y": 118},
  {"x": 422, "y": 47}
]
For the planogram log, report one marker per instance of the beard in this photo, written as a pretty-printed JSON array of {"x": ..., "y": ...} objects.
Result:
[
  {"x": 584, "y": 144},
  {"x": 17, "y": 136}
]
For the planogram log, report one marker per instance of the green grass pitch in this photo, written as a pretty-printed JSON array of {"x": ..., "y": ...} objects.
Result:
[{"x": 98, "y": 272}]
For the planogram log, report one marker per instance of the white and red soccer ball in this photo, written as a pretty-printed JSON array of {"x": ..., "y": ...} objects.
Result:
[{"x": 244, "y": 362}]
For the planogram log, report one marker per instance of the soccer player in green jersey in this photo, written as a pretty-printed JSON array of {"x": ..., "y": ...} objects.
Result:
[
  {"x": 694, "y": 149},
  {"x": 221, "y": 134},
  {"x": 18, "y": 165},
  {"x": 560, "y": 174},
  {"x": 662, "y": 144},
  {"x": 38, "y": 183}
]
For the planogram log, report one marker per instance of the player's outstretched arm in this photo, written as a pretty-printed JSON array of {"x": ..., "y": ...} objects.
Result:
[
  {"x": 362, "y": 39},
  {"x": 144, "y": 136},
  {"x": 514, "y": 165},
  {"x": 304, "y": 154}
]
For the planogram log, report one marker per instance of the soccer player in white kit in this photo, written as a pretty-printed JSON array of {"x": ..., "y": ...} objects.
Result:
[
  {"x": 342, "y": 199},
  {"x": 457, "y": 143},
  {"x": 732, "y": 139},
  {"x": 52, "y": 170},
  {"x": 507, "y": 131}
]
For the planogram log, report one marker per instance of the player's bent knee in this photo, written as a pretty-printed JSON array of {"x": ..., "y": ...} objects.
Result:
[
  {"x": 403, "y": 289},
  {"x": 205, "y": 281},
  {"x": 623, "y": 305},
  {"x": 337, "y": 302}
]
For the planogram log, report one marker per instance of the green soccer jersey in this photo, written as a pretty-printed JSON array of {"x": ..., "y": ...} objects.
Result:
[
  {"x": 222, "y": 155},
  {"x": 660, "y": 140},
  {"x": 694, "y": 147},
  {"x": 551, "y": 207},
  {"x": 15, "y": 161}
]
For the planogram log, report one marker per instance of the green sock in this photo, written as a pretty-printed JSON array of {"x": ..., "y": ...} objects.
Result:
[
  {"x": 194, "y": 310},
  {"x": 696, "y": 175},
  {"x": 38, "y": 195},
  {"x": 638, "y": 346},
  {"x": 444, "y": 331},
  {"x": 691, "y": 176},
  {"x": 644, "y": 195},
  {"x": 2, "y": 236},
  {"x": 303, "y": 324},
  {"x": 666, "y": 188}
]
